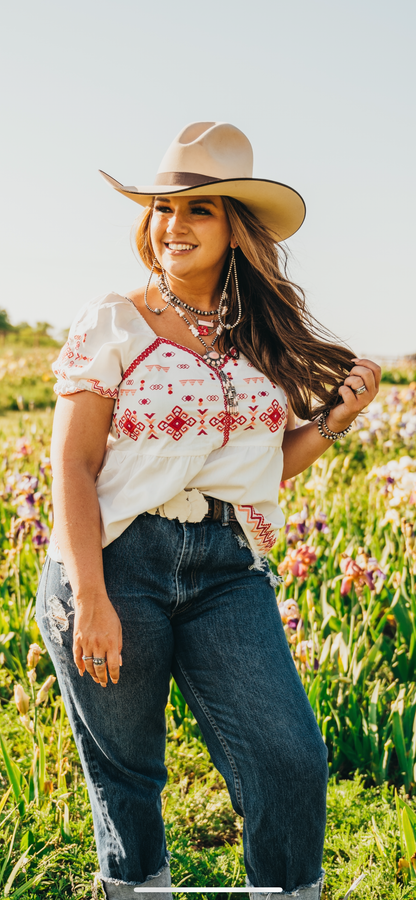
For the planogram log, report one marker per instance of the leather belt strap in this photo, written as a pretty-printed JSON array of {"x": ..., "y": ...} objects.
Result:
[{"x": 215, "y": 512}]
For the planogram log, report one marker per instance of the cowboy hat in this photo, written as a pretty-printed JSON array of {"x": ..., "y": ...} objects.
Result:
[{"x": 216, "y": 158}]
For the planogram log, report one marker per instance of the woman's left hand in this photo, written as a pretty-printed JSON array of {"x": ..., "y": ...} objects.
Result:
[{"x": 364, "y": 372}]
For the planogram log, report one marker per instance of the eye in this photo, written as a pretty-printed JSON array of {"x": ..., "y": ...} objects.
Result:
[
  {"x": 162, "y": 209},
  {"x": 200, "y": 211}
]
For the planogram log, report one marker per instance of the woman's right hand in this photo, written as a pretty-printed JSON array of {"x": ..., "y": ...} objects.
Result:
[{"x": 97, "y": 633}]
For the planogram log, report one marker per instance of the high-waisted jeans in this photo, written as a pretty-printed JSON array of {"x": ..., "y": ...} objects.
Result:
[{"x": 194, "y": 603}]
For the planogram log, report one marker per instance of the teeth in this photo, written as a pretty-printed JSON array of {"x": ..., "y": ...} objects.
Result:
[{"x": 180, "y": 246}]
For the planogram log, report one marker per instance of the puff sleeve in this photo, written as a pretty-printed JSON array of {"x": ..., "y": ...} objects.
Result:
[{"x": 92, "y": 358}]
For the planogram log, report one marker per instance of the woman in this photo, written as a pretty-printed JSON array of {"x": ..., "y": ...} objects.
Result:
[{"x": 173, "y": 428}]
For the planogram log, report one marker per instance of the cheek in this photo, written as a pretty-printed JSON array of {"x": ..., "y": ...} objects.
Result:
[
  {"x": 217, "y": 239},
  {"x": 154, "y": 232}
]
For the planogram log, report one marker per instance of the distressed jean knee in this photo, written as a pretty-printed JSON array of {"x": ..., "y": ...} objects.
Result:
[
  {"x": 311, "y": 891},
  {"x": 132, "y": 890}
]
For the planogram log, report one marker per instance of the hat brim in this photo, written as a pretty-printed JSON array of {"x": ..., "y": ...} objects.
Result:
[{"x": 281, "y": 209}]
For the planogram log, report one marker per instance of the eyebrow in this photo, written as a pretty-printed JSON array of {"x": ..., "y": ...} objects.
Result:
[{"x": 197, "y": 201}]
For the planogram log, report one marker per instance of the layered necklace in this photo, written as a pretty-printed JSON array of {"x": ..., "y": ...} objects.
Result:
[{"x": 201, "y": 328}]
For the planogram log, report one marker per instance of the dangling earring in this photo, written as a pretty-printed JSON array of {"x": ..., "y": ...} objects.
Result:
[
  {"x": 157, "y": 311},
  {"x": 223, "y": 309}
]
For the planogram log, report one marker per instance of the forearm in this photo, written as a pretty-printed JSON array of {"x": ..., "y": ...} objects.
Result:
[
  {"x": 77, "y": 526},
  {"x": 303, "y": 446}
]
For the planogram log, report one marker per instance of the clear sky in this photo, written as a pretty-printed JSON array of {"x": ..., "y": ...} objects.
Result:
[{"x": 324, "y": 89}]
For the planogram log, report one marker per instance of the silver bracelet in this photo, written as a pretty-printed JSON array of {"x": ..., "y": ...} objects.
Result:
[{"x": 327, "y": 433}]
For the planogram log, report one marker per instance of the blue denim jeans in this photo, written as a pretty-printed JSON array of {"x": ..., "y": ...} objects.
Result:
[{"x": 193, "y": 603}]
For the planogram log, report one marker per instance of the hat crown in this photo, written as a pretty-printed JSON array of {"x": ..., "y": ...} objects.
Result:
[{"x": 214, "y": 149}]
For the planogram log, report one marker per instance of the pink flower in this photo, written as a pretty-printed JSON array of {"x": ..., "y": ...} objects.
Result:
[
  {"x": 289, "y": 611},
  {"x": 296, "y": 563},
  {"x": 359, "y": 572},
  {"x": 306, "y": 655}
]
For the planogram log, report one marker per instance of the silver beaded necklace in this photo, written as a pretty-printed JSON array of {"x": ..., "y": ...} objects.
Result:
[{"x": 211, "y": 356}]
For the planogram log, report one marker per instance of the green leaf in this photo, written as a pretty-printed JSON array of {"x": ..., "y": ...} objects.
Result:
[
  {"x": 42, "y": 759},
  {"x": 401, "y": 614},
  {"x": 16, "y": 868},
  {"x": 400, "y": 747},
  {"x": 17, "y": 780}
]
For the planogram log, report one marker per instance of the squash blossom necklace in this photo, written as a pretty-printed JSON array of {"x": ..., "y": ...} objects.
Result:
[{"x": 201, "y": 328}]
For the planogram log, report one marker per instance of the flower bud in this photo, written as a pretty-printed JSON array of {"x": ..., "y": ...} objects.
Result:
[
  {"x": 27, "y": 723},
  {"x": 34, "y": 655},
  {"x": 32, "y": 676},
  {"x": 44, "y": 690},
  {"x": 21, "y": 700}
]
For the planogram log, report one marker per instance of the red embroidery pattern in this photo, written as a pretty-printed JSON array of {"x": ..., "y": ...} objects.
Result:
[
  {"x": 96, "y": 387},
  {"x": 253, "y": 410},
  {"x": 262, "y": 531},
  {"x": 129, "y": 424},
  {"x": 177, "y": 423},
  {"x": 69, "y": 356},
  {"x": 274, "y": 416},
  {"x": 202, "y": 413},
  {"x": 199, "y": 361},
  {"x": 151, "y": 425},
  {"x": 225, "y": 420}
]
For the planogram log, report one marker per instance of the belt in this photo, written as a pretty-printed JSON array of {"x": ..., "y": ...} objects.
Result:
[
  {"x": 194, "y": 506},
  {"x": 220, "y": 510}
]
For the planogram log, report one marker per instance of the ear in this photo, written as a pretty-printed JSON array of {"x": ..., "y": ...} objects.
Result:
[{"x": 233, "y": 242}]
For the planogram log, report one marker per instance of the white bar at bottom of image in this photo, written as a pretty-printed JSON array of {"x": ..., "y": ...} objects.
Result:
[{"x": 208, "y": 890}]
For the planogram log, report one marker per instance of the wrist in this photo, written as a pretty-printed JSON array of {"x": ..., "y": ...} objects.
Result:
[
  {"x": 335, "y": 423},
  {"x": 85, "y": 599}
]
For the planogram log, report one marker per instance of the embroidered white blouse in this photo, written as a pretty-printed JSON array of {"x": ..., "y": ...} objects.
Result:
[{"x": 170, "y": 428}]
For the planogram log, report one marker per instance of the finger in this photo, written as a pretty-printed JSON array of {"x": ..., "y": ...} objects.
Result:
[
  {"x": 352, "y": 402},
  {"x": 363, "y": 372},
  {"x": 367, "y": 376},
  {"x": 78, "y": 660},
  {"x": 354, "y": 382},
  {"x": 113, "y": 663},
  {"x": 101, "y": 673},
  {"x": 90, "y": 668},
  {"x": 369, "y": 364}
]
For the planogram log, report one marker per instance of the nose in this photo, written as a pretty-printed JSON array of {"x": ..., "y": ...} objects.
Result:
[{"x": 176, "y": 224}]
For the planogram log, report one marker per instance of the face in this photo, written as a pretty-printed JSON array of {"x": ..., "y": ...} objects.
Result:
[{"x": 190, "y": 235}]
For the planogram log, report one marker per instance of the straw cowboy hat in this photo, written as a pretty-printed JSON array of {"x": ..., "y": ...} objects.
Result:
[{"x": 216, "y": 158}]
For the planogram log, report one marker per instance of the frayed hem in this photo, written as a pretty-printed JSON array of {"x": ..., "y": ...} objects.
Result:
[
  {"x": 299, "y": 891},
  {"x": 107, "y": 880}
]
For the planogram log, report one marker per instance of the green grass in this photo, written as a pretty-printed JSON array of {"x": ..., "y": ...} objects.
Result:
[
  {"x": 203, "y": 833},
  {"x": 363, "y": 691}
]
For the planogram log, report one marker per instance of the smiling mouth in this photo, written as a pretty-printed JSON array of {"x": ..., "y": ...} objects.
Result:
[{"x": 180, "y": 248}]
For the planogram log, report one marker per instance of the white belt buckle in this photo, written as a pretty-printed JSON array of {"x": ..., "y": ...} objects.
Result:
[{"x": 187, "y": 506}]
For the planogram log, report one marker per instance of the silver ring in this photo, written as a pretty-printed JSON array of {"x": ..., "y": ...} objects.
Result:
[
  {"x": 99, "y": 660},
  {"x": 361, "y": 390},
  {"x": 88, "y": 657}
]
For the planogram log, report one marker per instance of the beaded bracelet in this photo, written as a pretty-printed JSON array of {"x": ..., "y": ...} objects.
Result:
[{"x": 326, "y": 432}]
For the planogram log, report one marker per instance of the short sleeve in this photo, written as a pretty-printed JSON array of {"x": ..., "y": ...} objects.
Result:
[{"x": 92, "y": 358}]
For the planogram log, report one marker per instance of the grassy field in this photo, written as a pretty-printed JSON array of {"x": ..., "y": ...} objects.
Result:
[{"x": 348, "y": 604}]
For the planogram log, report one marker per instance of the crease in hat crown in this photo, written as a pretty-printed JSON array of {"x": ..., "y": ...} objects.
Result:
[{"x": 214, "y": 149}]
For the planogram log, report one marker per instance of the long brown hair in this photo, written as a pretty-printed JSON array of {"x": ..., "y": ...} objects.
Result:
[{"x": 277, "y": 333}]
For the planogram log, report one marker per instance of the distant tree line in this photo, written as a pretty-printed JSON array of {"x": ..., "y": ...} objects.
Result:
[{"x": 23, "y": 333}]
